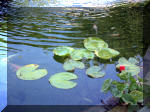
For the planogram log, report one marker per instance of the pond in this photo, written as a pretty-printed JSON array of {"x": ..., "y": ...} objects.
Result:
[{"x": 33, "y": 33}]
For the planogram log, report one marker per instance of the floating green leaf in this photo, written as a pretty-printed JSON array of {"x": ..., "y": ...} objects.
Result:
[
  {"x": 133, "y": 60},
  {"x": 63, "y": 51},
  {"x": 30, "y": 72},
  {"x": 129, "y": 67},
  {"x": 62, "y": 80},
  {"x": 93, "y": 43},
  {"x": 78, "y": 54},
  {"x": 106, "y": 86},
  {"x": 95, "y": 72},
  {"x": 70, "y": 65},
  {"x": 106, "y": 53}
]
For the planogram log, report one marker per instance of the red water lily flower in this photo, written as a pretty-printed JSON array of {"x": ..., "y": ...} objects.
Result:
[{"x": 122, "y": 67}]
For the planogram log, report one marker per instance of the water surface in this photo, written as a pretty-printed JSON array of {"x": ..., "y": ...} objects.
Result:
[{"x": 34, "y": 32}]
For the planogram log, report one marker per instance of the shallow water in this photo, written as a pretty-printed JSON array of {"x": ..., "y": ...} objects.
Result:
[{"x": 34, "y": 32}]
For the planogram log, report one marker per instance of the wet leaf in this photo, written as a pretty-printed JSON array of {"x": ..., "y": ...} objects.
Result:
[
  {"x": 30, "y": 72},
  {"x": 95, "y": 72},
  {"x": 118, "y": 88},
  {"x": 70, "y": 65},
  {"x": 62, "y": 80},
  {"x": 129, "y": 67},
  {"x": 128, "y": 99},
  {"x": 137, "y": 95},
  {"x": 124, "y": 75},
  {"x": 79, "y": 54},
  {"x": 106, "y": 53},
  {"x": 116, "y": 93},
  {"x": 59, "y": 59},
  {"x": 106, "y": 86},
  {"x": 133, "y": 60},
  {"x": 93, "y": 43},
  {"x": 63, "y": 51}
]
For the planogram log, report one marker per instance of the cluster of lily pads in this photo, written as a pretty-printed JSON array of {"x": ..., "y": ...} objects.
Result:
[
  {"x": 93, "y": 47},
  {"x": 129, "y": 89}
]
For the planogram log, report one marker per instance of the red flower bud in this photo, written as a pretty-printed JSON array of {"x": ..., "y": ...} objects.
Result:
[{"x": 122, "y": 67}]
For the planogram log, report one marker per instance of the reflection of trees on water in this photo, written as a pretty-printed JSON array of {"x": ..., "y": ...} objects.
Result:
[{"x": 120, "y": 27}]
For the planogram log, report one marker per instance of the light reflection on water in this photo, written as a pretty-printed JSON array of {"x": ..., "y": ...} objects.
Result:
[
  {"x": 3, "y": 69},
  {"x": 64, "y": 3}
]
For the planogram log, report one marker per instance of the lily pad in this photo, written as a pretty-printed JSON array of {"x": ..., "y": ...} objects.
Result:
[
  {"x": 30, "y": 72},
  {"x": 95, "y": 72},
  {"x": 133, "y": 60},
  {"x": 106, "y": 53},
  {"x": 63, "y": 51},
  {"x": 78, "y": 54},
  {"x": 129, "y": 67},
  {"x": 70, "y": 65},
  {"x": 62, "y": 80},
  {"x": 93, "y": 43}
]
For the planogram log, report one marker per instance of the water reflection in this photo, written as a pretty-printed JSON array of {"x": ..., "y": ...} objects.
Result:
[
  {"x": 62, "y": 3},
  {"x": 33, "y": 33},
  {"x": 50, "y": 27}
]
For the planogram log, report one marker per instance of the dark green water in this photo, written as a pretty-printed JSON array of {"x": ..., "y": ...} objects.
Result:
[{"x": 34, "y": 32}]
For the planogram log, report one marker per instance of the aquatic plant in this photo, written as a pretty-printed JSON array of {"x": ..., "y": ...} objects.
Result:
[
  {"x": 130, "y": 88},
  {"x": 94, "y": 43},
  {"x": 93, "y": 47},
  {"x": 70, "y": 65},
  {"x": 79, "y": 54},
  {"x": 30, "y": 72},
  {"x": 95, "y": 72},
  {"x": 106, "y": 53},
  {"x": 130, "y": 65},
  {"x": 62, "y": 80},
  {"x": 63, "y": 51},
  {"x": 97, "y": 45}
]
